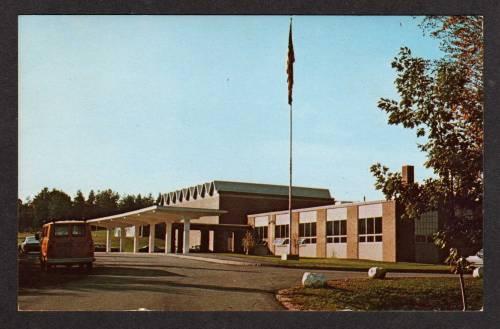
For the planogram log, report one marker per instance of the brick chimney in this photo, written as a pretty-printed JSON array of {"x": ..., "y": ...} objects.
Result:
[{"x": 408, "y": 174}]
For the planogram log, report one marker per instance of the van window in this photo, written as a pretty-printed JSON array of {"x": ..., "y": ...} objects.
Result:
[
  {"x": 61, "y": 230},
  {"x": 78, "y": 230}
]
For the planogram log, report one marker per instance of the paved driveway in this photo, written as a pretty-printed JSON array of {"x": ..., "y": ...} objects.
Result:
[{"x": 159, "y": 282}]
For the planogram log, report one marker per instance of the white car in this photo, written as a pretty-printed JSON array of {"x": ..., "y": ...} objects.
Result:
[{"x": 476, "y": 260}]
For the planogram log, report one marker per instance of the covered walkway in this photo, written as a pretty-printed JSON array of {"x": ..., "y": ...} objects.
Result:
[{"x": 152, "y": 216}]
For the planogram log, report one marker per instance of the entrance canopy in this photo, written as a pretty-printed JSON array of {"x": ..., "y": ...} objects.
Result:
[{"x": 154, "y": 215}]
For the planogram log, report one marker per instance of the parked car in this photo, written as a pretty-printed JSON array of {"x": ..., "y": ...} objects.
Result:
[
  {"x": 66, "y": 243},
  {"x": 476, "y": 260},
  {"x": 99, "y": 247},
  {"x": 196, "y": 248},
  {"x": 146, "y": 249},
  {"x": 30, "y": 245}
]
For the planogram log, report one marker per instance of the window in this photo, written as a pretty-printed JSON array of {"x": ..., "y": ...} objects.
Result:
[
  {"x": 261, "y": 234},
  {"x": 78, "y": 230},
  {"x": 370, "y": 229},
  {"x": 61, "y": 230},
  {"x": 421, "y": 238},
  {"x": 426, "y": 226},
  {"x": 336, "y": 231},
  {"x": 281, "y": 235},
  {"x": 307, "y": 233},
  {"x": 281, "y": 231}
]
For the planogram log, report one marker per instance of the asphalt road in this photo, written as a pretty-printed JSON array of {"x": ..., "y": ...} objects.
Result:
[{"x": 159, "y": 282}]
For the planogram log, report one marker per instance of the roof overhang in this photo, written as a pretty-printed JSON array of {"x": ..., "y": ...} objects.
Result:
[{"x": 154, "y": 215}]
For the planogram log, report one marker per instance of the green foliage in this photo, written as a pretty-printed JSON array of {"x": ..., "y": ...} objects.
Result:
[
  {"x": 442, "y": 100},
  {"x": 79, "y": 206},
  {"x": 106, "y": 202},
  {"x": 248, "y": 242},
  {"x": 51, "y": 205},
  {"x": 55, "y": 205}
]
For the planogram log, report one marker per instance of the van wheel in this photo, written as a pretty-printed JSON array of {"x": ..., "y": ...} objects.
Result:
[{"x": 89, "y": 266}]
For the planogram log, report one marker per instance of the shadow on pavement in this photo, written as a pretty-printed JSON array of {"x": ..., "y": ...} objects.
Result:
[
  {"x": 30, "y": 275},
  {"x": 179, "y": 267}
]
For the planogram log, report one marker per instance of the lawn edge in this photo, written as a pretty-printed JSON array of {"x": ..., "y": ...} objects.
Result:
[{"x": 351, "y": 269}]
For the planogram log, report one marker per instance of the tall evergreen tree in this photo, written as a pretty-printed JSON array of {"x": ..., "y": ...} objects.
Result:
[
  {"x": 79, "y": 206},
  {"x": 90, "y": 204}
]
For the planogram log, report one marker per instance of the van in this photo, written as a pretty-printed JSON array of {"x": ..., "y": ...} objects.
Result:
[{"x": 66, "y": 243}]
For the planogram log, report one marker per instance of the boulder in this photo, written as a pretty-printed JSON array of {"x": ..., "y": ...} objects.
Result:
[
  {"x": 376, "y": 273},
  {"x": 478, "y": 273},
  {"x": 313, "y": 280}
]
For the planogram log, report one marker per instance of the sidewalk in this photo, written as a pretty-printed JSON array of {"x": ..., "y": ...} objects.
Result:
[{"x": 242, "y": 260}]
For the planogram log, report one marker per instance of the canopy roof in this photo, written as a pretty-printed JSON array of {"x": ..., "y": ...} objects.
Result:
[{"x": 154, "y": 215}]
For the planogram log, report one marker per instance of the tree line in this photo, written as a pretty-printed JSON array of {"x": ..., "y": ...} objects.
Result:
[{"x": 55, "y": 204}]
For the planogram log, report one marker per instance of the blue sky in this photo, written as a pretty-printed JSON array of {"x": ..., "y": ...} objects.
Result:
[{"x": 146, "y": 104}]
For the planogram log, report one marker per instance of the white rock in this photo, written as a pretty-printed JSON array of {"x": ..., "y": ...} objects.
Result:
[
  {"x": 376, "y": 273},
  {"x": 313, "y": 280},
  {"x": 478, "y": 273}
]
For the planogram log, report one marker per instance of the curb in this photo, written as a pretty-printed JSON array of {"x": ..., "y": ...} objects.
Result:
[
  {"x": 322, "y": 268},
  {"x": 214, "y": 260},
  {"x": 350, "y": 269},
  {"x": 317, "y": 268}
]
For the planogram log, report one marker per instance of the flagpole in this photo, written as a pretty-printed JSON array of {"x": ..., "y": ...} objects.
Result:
[
  {"x": 289, "y": 70},
  {"x": 290, "y": 190}
]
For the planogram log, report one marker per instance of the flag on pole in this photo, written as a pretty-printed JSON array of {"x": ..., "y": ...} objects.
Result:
[{"x": 289, "y": 65}]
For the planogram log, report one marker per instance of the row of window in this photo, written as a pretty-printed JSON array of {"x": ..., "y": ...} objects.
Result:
[{"x": 369, "y": 230}]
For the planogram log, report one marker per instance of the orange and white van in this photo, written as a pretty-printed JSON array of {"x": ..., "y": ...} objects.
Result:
[{"x": 66, "y": 243}]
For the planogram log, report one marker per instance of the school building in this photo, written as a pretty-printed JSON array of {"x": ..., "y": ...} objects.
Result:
[{"x": 214, "y": 217}]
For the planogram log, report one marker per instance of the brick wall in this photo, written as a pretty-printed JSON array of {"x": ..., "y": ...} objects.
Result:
[
  {"x": 352, "y": 232},
  {"x": 321, "y": 233},
  {"x": 389, "y": 231}
]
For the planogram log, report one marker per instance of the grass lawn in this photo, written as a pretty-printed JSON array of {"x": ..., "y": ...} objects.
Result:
[
  {"x": 99, "y": 237},
  {"x": 429, "y": 294},
  {"x": 352, "y": 264}
]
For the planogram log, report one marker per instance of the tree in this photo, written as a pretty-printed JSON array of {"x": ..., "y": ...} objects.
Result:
[
  {"x": 106, "y": 202},
  {"x": 50, "y": 205},
  {"x": 79, "y": 206},
  {"x": 40, "y": 207},
  {"x": 60, "y": 206},
  {"x": 442, "y": 100},
  {"x": 248, "y": 242},
  {"x": 25, "y": 215},
  {"x": 127, "y": 203},
  {"x": 90, "y": 205}
]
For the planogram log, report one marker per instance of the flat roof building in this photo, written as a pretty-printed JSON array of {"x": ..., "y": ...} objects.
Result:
[
  {"x": 224, "y": 233},
  {"x": 223, "y": 211}
]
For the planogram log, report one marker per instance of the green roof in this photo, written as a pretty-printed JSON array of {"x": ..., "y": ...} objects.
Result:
[
  {"x": 269, "y": 189},
  {"x": 219, "y": 186}
]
